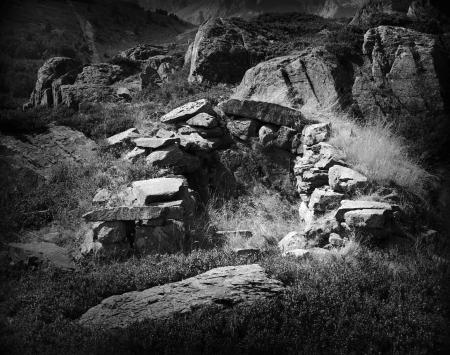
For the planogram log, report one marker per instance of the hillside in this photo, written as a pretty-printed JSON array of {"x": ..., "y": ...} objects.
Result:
[
  {"x": 33, "y": 31},
  {"x": 197, "y": 11}
]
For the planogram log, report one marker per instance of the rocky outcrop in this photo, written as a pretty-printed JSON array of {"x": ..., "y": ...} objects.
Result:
[
  {"x": 218, "y": 289},
  {"x": 308, "y": 81},
  {"x": 406, "y": 77},
  {"x": 222, "y": 52},
  {"x": 54, "y": 72}
]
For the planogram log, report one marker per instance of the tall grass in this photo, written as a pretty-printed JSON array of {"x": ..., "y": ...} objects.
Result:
[{"x": 382, "y": 155}]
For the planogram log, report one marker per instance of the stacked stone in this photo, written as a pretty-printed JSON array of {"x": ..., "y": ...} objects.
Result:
[
  {"x": 153, "y": 216},
  {"x": 272, "y": 125}
]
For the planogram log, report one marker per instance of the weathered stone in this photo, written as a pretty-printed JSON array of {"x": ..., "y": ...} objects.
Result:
[
  {"x": 267, "y": 135},
  {"x": 143, "y": 52},
  {"x": 203, "y": 132},
  {"x": 220, "y": 288},
  {"x": 321, "y": 228},
  {"x": 346, "y": 180},
  {"x": 351, "y": 205},
  {"x": 135, "y": 154},
  {"x": 124, "y": 93},
  {"x": 243, "y": 128},
  {"x": 325, "y": 199},
  {"x": 155, "y": 143},
  {"x": 174, "y": 158},
  {"x": 76, "y": 95},
  {"x": 187, "y": 111},
  {"x": 367, "y": 219},
  {"x": 265, "y": 112},
  {"x": 168, "y": 238},
  {"x": 311, "y": 80},
  {"x": 123, "y": 138},
  {"x": 336, "y": 240},
  {"x": 41, "y": 252},
  {"x": 164, "y": 133},
  {"x": 101, "y": 74},
  {"x": 160, "y": 190},
  {"x": 291, "y": 241},
  {"x": 285, "y": 136},
  {"x": 168, "y": 210},
  {"x": 203, "y": 120},
  {"x": 101, "y": 197},
  {"x": 316, "y": 133},
  {"x": 110, "y": 232},
  {"x": 194, "y": 143}
]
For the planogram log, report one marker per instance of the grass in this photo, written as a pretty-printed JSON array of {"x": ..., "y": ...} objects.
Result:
[
  {"x": 382, "y": 155},
  {"x": 362, "y": 302}
]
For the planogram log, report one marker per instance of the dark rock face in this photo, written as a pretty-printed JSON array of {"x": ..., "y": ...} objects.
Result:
[
  {"x": 310, "y": 80},
  {"x": 55, "y": 72},
  {"x": 221, "y": 52},
  {"x": 406, "y": 77}
]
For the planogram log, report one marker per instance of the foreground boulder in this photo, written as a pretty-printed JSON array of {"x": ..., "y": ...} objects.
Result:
[
  {"x": 219, "y": 289},
  {"x": 307, "y": 81}
]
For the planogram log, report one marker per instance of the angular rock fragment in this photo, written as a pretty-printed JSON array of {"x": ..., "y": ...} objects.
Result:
[
  {"x": 203, "y": 120},
  {"x": 174, "y": 157},
  {"x": 187, "y": 111},
  {"x": 123, "y": 138},
  {"x": 291, "y": 241},
  {"x": 316, "y": 133},
  {"x": 346, "y": 180},
  {"x": 325, "y": 199},
  {"x": 243, "y": 128},
  {"x": 160, "y": 190},
  {"x": 155, "y": 143},
  {"x": 167, "y": 238}
]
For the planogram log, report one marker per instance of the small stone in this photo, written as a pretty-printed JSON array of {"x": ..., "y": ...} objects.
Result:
[
  {"x": 196, "y": 143},
  {"x": 187, "y": 111},
  {"x": 285, "y": 136},
  {"x": 267, "y": 134},
  {"x": 110, "y": 232},
  {"x": 164, "y": 133},
  {"x": 203, "y": 120},
  {"x": 291, "y": 241},
  {"x": 124, "y": 93},
  {"x": 155, "y": 143},
  {"x": 346, "y": 180},
  {"x": 316, "y": 133},
  {"x": 160, "y": 190},
  {"x": 101, "y": 197},
  {"x": 134, "y": 155},
  {"x": 243, "y": 128},
  {"x": 123, "y": 138},
  {"x": 174, "y": 157}
]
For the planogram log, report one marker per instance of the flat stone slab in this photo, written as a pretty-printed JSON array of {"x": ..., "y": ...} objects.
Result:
[
  {"x": 187, "y": 111},
  {"x": 352, "y": 205},
  {"x": 168, "y": 210},
  {"x": 122, "y": 137},
  {"x": 159, "y": 190},
  {"x": 264, "y": 112},
  {"x": 370, "y": 219},
  {"x": 220, "y": 288},
  {"x": 42, "y": 252},
  {"x": 155, "y": 143}
]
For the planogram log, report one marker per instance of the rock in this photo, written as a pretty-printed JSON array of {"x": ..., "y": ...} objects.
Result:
[
  {"x": 187, "y": 111},
  {"x": 247, "y": 252},
  {"x": 267, "y": 135},
  {"x": 149, "y": 77},
  {"x": 312, "y": 80},
  {"x": 164, "y": 133},
  {"x": 155, "y": 143},
  {"x": 352, "y": 205},
  {"x": 219, "y": 53},
  {"x": 245, "y": 234},
  {"x": 51, "y": 71},
  {"x": 325, "y": 199},
  {"x": 33, "y": 157},
  {"x": 41, "y": 252},
  {"x": 306, "y": 215},
  {"x": 160, "y": 190},
  {"x": 336, "y": 240},
  {"x": 123, "y": 138},
  {"x": 316, "y": 133},
  {"x": 101, "y": 197},
  {"x": 167, "y": 210},
  {"x": 124, "y": 93},
  {"x": 311, "y": 179},
  {"x": 188, "y": 55},
  {"x": 265, "y": 112},
  {"x": 367, "y": 219},
  {"x": 203, "y": 120},
  {"x": 203, "y": 132},
  {"x": 291, "y": 241},
  {"x": 321, "y": 229},
  {"x": 173, "y": 157},
  {"x": 220, "y": 288},
  {"x": 169, "y": 238},
  {"x": 243, "y": 128},
  {"x": 143, "y": 52},
  {"x": 110, "y": 232},
  {"x": 194, "y": 142},
  {"x": 135, "y": 154},
  {"x": 346, "y": 180},
  {"x": 101, "y": 74},
  {"x": 406, "y": 79},
  {"x": 319, "y": 254},
  {"x": 74, "y": 96},
  {"x": 285, "y": 136}
]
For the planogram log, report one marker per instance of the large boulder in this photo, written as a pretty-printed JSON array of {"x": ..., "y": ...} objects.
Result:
[
  {"x": 54, "y": 72},
  {"x": 406, "y": 79},
  {"x": 218, "y": 289},
  {"x": 220, "y": 52},
  {"x": 310, "y": 80}
]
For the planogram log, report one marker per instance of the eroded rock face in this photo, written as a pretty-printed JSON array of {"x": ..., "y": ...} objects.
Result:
[
  {"x": 220, "y": 52},
  {"x": 219, "y": 288},
  {"x": 406, "y": 77},
  {"x": 54, "y": 72},
  {"x": 307, "y": 81}
]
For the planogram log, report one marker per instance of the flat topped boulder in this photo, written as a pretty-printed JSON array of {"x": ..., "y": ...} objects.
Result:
[
  {"x": 155, "y": 143},
  {"x": 264, "y": 112},
  {"x": 41, "y": 252},
  {"x": 123, "y": 137},
  {"x": 352, "y": 205},
  {"x": 203, "y": 120},
  {"x": 167, "y": 210},
  {"x": 187, "y": 111},
  {"x": 220, "y": 289},
  {"x": 160, "y": 190}
]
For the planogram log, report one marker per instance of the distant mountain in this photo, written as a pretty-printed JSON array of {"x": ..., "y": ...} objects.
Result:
[{"x": 197, "y": 11}]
